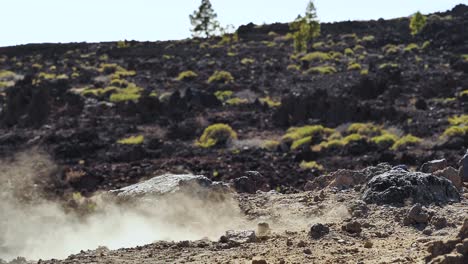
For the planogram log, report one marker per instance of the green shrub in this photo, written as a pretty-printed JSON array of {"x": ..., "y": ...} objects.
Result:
[
  {"x": 300, "y": 142},
  {"x": 99, "y": 91},
  {"x": 456, "y": 131},
  {"x": 295, "y": 133},
  {"x": 411, "y": 47},
  {"x": 335, "y": 55},
  {"x": 417, "y": 23},
  {"x": 364, "y": 72},
  {"x": 131, "y": 93},
  {"x": 236, "y": 101},
  {"x": 385, "y": 141},
  {"x": 318, "y": 45},
  {"x": 352, "y": 138},
  {"x": 349, "y": 52},
  {"x": 221, "y": 77},
  {"x": 122, "y": 44},
  {"x": 316, "y": 56},
  {"x": 270, "y": 144},
  {"x": 390, "y": 49},
  {"x": 408, "y": 140},
  {"x": 310, "y": 165},
  {"x": 247, "y": 61},
  {"x": 293, "y": 67},
  {"x": 119, "y": 83},
  {"x": 359, "y": 48},
  {"x": 365, "y": 129},
  {"x": 186, "y": 76},
  {"x": 426, "y": 44},
  {"x": 223, "y": 95},
  {"x": 388, "y": 65},
  {"x": 270, "y": 102},
  {"x": 354, "y": 66},
  {"x": 458, "y": 120},
  {"x": 6, "y": 84},
  {"x": 368, "y": 38},
  {"x": 7, "y": 75},
  {"x": 321, "y": 70},
  {"x": 134, "y": 140},
  {"x": 465, "y": 57},
  {"x": 215, "y": 135}
]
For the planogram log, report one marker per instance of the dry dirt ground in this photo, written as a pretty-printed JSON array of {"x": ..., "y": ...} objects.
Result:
[{"x": 383, "y": 239}]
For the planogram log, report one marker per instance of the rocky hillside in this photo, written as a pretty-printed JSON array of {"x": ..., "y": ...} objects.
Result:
[{"x": 367, "y": 92}]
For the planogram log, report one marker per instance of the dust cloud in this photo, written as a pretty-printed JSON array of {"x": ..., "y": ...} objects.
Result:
[{"x": 34, "y": 227}]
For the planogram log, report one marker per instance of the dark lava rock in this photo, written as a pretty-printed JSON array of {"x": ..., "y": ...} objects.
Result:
[
  {"x": 352, "y": 227},
  {"x": 464, "y": 168},
  {"x": 399, "y": 186},
  {"x": 434, "y": 165},
  {"x": 247, "y": 183},
  {"x": 318, "y": 231}
]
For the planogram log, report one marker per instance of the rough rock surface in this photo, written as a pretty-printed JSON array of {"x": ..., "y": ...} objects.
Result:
[
  {"x": 434, "y": 165},
  {"x": 451, "y": 174},
  {"x": 318, "y": 230},
  {"x": 168, "y": 184},
  {"x": 464, "y": 168},
  {"x": 451, "y": 251},
  {"x": 400, "y": 186}
]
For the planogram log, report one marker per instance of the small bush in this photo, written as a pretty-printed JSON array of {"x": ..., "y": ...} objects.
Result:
[
  {"x": 364, "y": 72},
  {"x": 134, "y": 140},
  {"x": 388, "y": 65},
  {"x": 223, "y": 95},
  {"x": 221, "y": 77},
  {"x": 99, "y": 91},
  {"x": 390, "y": 49},
  {"x": 456, "y": 131},
  {"x": 318, "y": 45},
  {"x": 426, "y": 44},
  {"x": 131, "y": 93},
  {"x": 270, "y": 102},
  {"x": 186, "y": 76},
  {"x": 236, "y": 101},
  {"x": 354, "y": 66},
  {"x": 335, "y": 55},
  {"x": 321, "y": 70},
  {"x": 352, "y": 138},
  {"x": 300, "y": 142},
  {"x": 366, "y": 129},
  {"x": 385, "y": 140},
  {"x": 411, "y": 47},
  {"x": 458, "y": 120},
  {"x": 247, "y": 61},
  {"x": 215, "y": 135},
  {"x": 293, "y": 67},
  {"x": 316, "y": 56},
  {"x": 349, "y": 52},
  {"x": 295, "y": 133},
  {"x": 368, "y": 38},
  {"x": 417, "y": 23},
  {"x": 408, "y": 140},
  {"x": 122, "y": 44},
  {"x": 270, "y": 144},
  {"x": 359, "y": 48},
  {"x": 310, "y": 165},
  {"x": 465, "y": 57}
]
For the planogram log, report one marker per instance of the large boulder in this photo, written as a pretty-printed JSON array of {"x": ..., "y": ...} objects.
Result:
[
  {"x": 399, "y": 186},
  {"x": 193, "y": 185}
]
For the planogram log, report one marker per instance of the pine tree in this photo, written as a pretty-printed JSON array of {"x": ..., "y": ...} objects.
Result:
[
  {"x": 417, "y": 23},
  {"x": 305, "y": 28},
  {"x": 204, "y": 20}
]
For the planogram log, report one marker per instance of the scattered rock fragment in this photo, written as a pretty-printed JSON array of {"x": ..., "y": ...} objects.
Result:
[
  {"x": 259, "y": 261},
  {"x": 417, "y": 215},
  {"x": 450, "y": 251},
  {"x": 352, "y": 227},
  {"x": 238, "y": 237},
  {"x": 318, "y": 231}
]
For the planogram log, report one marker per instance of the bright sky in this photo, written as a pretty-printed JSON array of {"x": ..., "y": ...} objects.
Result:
[{"x": 37, "y": 21}]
